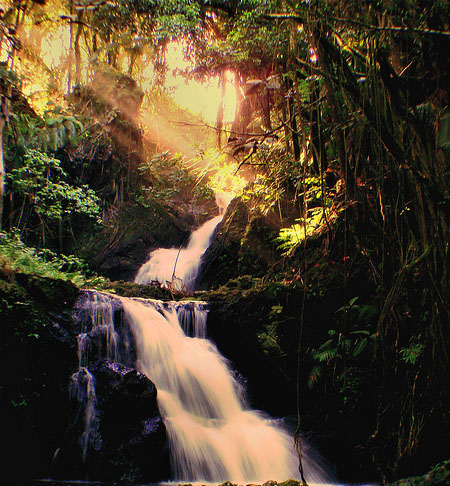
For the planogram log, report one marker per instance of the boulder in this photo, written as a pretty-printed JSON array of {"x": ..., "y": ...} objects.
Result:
[
  {"x": 122, "y": 436},
  {"x": 243, "y": 244}
]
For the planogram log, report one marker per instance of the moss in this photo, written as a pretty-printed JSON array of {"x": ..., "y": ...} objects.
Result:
[
  {"x": 130, "y": 289},
  {"x": 438, "y": 476},
  {"x": 290, "y": 482}
]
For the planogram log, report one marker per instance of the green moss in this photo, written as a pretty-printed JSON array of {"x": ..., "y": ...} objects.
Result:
[
  {"x": 130, "y": 289},
  {"x": 29, "y": 303},
  {"x": 290, "y": 482},
  {"x": 438, "y": 476}
]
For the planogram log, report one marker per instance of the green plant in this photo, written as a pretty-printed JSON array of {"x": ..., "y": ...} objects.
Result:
[
  {"x": 41, "y": 183},
  {"x": 412, "y": 353},
  {"x": 166, "y": 177},
  {"x": 15, "y": 256},
  {"x": 56, "y": 129},
  {"x": 341, "y": 352}
]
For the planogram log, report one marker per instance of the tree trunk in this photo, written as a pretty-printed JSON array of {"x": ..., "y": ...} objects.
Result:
[
  {"x": 77, "y": 48},
  {"x": 2, "y": 165},
  {"x": 294, "y": 129},
  {"x": 219, "y": 118}
]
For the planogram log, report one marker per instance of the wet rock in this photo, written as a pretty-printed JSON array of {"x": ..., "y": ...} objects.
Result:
[
  {"x": 243, "y": 244},
  {"x": 270, "y": 483},
  {"x": 126, "y": 439}
]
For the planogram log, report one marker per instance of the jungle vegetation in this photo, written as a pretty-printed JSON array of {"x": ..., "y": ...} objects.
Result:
[{"x": 342, "y": 130}]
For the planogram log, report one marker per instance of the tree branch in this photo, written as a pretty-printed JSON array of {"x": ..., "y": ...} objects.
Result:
[{"x": 287, "y": 16}]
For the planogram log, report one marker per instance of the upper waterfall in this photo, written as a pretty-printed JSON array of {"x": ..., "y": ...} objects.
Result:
[{"x": 178, "y": 268}]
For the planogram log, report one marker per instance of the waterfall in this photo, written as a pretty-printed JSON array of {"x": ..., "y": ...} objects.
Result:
[
  {"x": 178, "y": 268},
  {"x": 213, "y": 434},
  {"x": 98, "y": 319}
]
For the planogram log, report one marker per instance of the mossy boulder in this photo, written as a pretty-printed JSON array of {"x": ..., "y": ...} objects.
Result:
[{"x": 438, "y": 476}]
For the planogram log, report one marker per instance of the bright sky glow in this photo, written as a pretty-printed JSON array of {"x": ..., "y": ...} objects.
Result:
[{"x": 199, "y": 98}]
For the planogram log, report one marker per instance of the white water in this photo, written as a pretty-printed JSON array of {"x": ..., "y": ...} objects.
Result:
[
  {"x": 82, "y": 387},
  {"x": 178, "y": 268},
  {"x": 99, "y": 317},
  {"x": 213, "y": 435}
]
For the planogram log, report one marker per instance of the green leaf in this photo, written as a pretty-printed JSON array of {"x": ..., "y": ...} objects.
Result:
[
  {"x": 360, "y": 346},
  {"x": 444, "y": 130},
  {"x": 411, "y": 355},
  {"x": 314, "y": 376}
]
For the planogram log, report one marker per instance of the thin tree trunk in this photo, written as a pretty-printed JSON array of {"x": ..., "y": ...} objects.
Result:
[
  {"x": 2, "y": 165},
  {"x": 294, "y": 129},
  {"x": 77, "y": 48},
  {"x": 69, "y": 67},
  {"x": 219, "y": 118},
  {"x": 284, "y": 110}
]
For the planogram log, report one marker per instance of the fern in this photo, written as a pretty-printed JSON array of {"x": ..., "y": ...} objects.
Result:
[{"x": 411, "y": 355}]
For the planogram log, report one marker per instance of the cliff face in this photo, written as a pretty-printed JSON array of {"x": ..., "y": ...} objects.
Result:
[{"x": 38, "y": 352}]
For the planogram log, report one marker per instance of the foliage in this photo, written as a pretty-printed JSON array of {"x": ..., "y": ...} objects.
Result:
[
  {"x": 356, "y": 116},
  {"x": 15, "y": 256},
  {"x": 412, "y": 354},
  {"x": 290, "y": 238},
  {"x": 40, "y": 180},
  {"x": 346, "y": 345},
  {"x": 56, "y": 129},
  {"x": 216, "y": 173},
  {"x": 169, "y": 178}
]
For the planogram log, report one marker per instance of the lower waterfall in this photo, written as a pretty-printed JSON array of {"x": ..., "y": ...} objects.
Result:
[{"x": 213, "y": 435}]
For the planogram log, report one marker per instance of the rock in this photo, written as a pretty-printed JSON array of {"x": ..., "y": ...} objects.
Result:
[
  {"x": 438, "y": 476},
  {"x": 39, "y": 352},
  {"x": 127, "y": 437},
  {"x": 291, "y": 482},
  {"x": 270, "y": 483},
  {"x": 243, "y": 244}
]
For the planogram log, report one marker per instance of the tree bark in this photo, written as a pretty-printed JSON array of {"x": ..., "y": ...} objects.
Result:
[
  {"x": 219, "y": 118},
  {"x": 77, "y": 48},
  {"x": 2, "y": 164}
]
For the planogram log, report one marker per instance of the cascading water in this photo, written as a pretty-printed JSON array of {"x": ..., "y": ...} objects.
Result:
[
  {"x": 99, "y": 318},
  {"x": 178, "y": 268},
  {"x": 213, "y": 435}
]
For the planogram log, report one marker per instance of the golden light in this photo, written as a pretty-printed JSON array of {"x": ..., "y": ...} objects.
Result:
[{"x": 203, "y": 98}]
